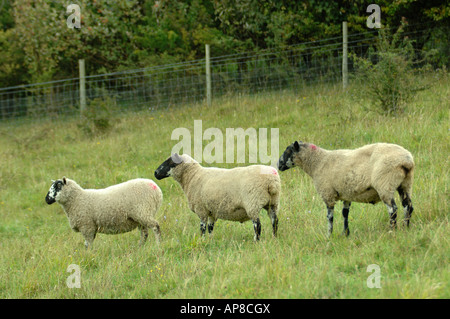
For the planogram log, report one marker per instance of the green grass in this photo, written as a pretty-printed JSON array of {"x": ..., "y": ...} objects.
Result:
[{"x": 37, "y": 244}]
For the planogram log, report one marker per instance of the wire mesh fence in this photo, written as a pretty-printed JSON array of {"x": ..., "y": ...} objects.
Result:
[{"x": 292, "y": 67}]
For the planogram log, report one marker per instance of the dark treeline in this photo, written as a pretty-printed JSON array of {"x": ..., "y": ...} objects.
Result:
[{"x": 37, "y": 46}]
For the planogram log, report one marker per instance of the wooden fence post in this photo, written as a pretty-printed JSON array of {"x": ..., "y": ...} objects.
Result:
[
  {"x": 344, "y": 55},
  {"x": 82, "y": 86},
  {"x": 208, "y": 76}
]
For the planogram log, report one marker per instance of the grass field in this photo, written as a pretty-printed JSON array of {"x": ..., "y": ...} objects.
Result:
[{"x": 37, "y": 244}]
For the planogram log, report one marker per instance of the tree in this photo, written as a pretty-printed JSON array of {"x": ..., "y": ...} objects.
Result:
[{"x": 36, "y": 45}]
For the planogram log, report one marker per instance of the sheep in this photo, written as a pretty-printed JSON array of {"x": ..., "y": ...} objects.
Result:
[
  {"x": 116, "y": 209},
  {"x": 366, "y": 175},
  {"x": 236, "y": 194}
]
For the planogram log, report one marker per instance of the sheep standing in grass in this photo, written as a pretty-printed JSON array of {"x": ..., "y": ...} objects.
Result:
[
  {"x": 365, "y": 175},
  {"x": 236, "y": 194},
  {"x": 113, "y": 210}
]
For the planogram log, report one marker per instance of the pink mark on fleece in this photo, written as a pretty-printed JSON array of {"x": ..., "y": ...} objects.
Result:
[
  {"x": 313, "y": 147},
  {"x": 153, "y": 185},
  {"x": 274, "y": 171}
]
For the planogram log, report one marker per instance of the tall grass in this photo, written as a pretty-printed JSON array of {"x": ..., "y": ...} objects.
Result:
[{"x": 37, "y": 244}]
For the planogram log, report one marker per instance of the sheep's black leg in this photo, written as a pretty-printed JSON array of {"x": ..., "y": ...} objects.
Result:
[
  {"x": 211, "y": 222},
  {"x": 407, "y": 205},
  {"x": 274, "y": 219},
  {"x": 330, "y": 211},
  {"x": 144, "y": 235},
  {"x": 257, "y": 228},
  {"x": 392, "y": 210},
  {"x": 88, "y": 239},
  {"x": 345, "y": 212},
  {"x": 210, "y": 227},
  {"x": 157, "y": 232},
  {"x": 408, "y": 209},
  {"x": 202, "y": 227}
]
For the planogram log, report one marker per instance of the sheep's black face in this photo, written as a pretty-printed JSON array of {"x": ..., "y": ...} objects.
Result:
[
  {"x": 286, "y": 160},
  {"x": 165, "y": 169},
  {"x": 54, "y": 190}
]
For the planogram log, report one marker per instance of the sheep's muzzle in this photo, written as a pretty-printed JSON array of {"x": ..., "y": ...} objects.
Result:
[{"x": 49, "y": 200}]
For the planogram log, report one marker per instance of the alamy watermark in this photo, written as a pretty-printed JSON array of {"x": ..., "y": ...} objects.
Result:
[
  {"x": 74, "y": 20},
  {"x": 374, "y": 280},
  {"x": 74, "y": 280},
  {"x": 374, "y": 20},
  {"x": 213, "y": 152}
]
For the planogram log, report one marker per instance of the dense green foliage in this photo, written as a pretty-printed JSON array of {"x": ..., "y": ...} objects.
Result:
[{"x": 36, "y": 44}]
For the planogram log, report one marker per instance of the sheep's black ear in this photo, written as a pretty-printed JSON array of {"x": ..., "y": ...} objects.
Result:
[
  {"x": 64, "y": 180},
  {"x": 296, "y": 146}
]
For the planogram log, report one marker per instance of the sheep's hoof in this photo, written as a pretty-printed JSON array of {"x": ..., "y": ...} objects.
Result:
[{"x": 346, "y": 233}]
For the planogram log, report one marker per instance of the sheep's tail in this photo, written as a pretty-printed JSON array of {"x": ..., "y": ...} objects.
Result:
[
  {"x": 408, "y": 170},
  {"x": 274, "y": 190},
  {"x": 407, "y": 165}
]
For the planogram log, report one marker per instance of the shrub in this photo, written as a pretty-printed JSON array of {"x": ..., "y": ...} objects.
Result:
[
  {"x": 388, "y": 73},
  {"x": 97, "y": 117}
]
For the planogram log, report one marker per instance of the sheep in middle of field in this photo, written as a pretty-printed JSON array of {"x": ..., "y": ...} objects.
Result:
[
  {"x": 236, "y": 194},
  {"x": 366, "y": 175},
  {"x": 116, "y": 209}
]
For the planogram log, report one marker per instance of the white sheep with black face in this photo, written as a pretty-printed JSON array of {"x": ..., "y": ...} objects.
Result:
[
  {"x": 236, "y": 194},
  {"x": 368, "y": 174},
  {"x": 113, "y": 210}
]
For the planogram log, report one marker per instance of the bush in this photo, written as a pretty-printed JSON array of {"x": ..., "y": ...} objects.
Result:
[
  {"x": 97, "y": 118},
  {"x": 388, "y": 73}
]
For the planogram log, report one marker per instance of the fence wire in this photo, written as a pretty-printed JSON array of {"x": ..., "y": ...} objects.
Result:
[{"x": 292, "y": 67}]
